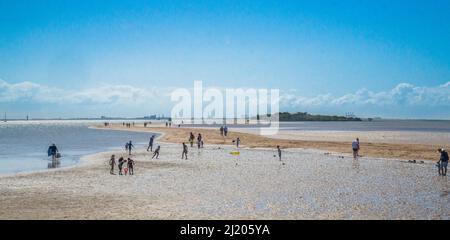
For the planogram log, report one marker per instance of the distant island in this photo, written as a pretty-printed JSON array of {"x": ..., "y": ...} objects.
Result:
[{"x": 304, "y": 116}]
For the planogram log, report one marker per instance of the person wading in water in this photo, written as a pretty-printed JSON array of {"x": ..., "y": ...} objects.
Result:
[
  {"x": 128, "y": 146},
  {"x": 53, "y": 151}
]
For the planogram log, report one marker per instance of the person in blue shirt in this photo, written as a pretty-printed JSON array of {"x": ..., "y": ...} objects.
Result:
[
  {"x": 128, "y": 147},
  {"x": 52, "y": 151},
  {"x": 150, "y": 143}
]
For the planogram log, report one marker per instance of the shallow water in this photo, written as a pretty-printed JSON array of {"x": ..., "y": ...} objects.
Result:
[
  {"x": 23, "y": 147},
  {"x": 378, "y": 125}
]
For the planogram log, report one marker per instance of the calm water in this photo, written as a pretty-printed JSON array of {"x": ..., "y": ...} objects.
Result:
[
  {"x": 378, "y": 125},
  {"x": 23, "y": 147}
]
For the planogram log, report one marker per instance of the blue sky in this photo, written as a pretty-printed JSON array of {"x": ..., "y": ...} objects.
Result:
[{"x": 92, "y": 58}]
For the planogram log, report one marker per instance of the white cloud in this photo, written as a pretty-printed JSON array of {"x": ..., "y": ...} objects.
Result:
[
  {"x": 446, "y": 85},
  {"x": 25, "y": 90},
  {"x": 404, "y": 94},
  {"x": 106, "y": 94}
]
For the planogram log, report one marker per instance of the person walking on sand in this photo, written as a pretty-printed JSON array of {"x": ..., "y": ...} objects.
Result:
[
  {"x": 156, "y": 153},
  {"x": 199, "y": 140},
  {"x": 129, "y": 146},
  {"x": 443, "y": 162},
  {"x": 191, "y": 139},
  {"x": 355, "y": 148},
  {"x": 150, "y": 143},
  {"x": 185, "y": 151},
  {"x": 112, "y": 163},
  {"x": 52, "y": 151},
  {"x": 130, "y": 164},
  {"x": 120, "y": 165},
  {"x": 221, "y": 131},
  {"x": 238, "y": 141},
  {"x": 225, "y": 130},
  {"x": 279, "y": 152}
]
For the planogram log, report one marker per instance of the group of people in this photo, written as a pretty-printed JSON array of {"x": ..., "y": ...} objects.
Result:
[
  {"x": 128, "y": 125},
  {"x": 223, "y": 131},
  {"x": 191, "y": 140},
  {"x": 150, "y": 147},
  {"x": 199, "y": 140},
  {"x": 441, "y": 164},
  {"x": 128, "y": 147},
  {"x": 129, "y": 169},
  {"x": 130, "y": 162}
]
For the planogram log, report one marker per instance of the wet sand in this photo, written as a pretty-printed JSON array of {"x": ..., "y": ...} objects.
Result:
[
  {"x": 213, "y": 184},
  {"x": 395, "y": 137},
  {"x": 372, "y": 144}
]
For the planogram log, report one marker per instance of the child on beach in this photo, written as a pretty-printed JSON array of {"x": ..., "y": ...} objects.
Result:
[
  {"x": 199, "y": 141},
  {"x": 130, "y": 164},
  {"x": 185, "y": 151},
  {"x": 156, "y": 153},
  {"x": 355, "y": 148},
  {"x": 191, "y": 139},
  {"x": 279, "y": 152},
  {"x": 120, "y": 165},
  {"x": 112, "y": 163},
  {"x": 443, "y": 162}
]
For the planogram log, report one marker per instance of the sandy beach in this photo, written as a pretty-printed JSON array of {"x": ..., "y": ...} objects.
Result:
[
  {"x": 393, "y": 137},
  {"x": 213, "y": 184},
  {"x": 392, "y": 145}
]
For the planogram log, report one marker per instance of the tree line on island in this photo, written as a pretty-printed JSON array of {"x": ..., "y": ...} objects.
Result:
[{"x": 304, "y": 116}]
